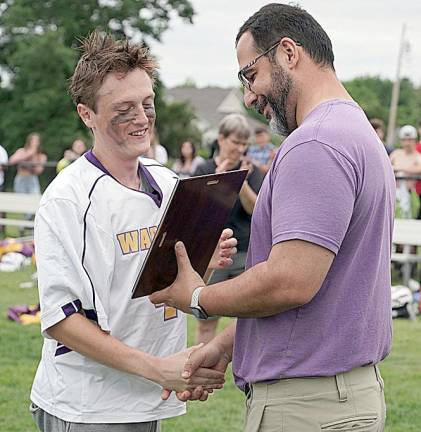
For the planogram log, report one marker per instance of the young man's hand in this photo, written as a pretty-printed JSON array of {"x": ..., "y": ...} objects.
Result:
[
  {"x": 171, "y": 373},
  {"x": 226, "y": 249},
  {"x": 210, "y": 356}
]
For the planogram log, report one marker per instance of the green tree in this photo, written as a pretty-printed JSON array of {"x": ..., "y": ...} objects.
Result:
[
  {"x": 175, "y": 123},
  {"x": 37, "y": 41},
  {"x": 374, "y": 95}
]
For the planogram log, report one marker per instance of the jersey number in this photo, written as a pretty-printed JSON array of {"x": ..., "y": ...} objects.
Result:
[{"x": 169, "y": 312}]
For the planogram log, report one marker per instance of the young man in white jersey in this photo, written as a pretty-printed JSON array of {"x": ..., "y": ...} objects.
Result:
[{"x": 106, "y": 356}]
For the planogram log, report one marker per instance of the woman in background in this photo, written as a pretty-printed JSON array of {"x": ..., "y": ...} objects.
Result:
[
  {"x": 30, "y": 161},
  {"x": 187, "y": 163},
  {"x": 156, "y": 150}
]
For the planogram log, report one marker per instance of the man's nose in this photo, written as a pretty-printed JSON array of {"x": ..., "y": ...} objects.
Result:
[{"x": 249, "y": 98}]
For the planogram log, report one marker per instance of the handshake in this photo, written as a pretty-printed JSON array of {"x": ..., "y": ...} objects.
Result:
[{"x": 193, "y": 373}]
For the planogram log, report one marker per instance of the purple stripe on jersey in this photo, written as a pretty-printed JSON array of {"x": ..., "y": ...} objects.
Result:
[
  {"x": 94, "y": 161},
  {"x": 157, "y": 195},
  {"x": 62, "y": 350},
  {"x": 91, "y": 314},
  {"x": 68, "y": 309},
  {"x": 78, "y": 304}
]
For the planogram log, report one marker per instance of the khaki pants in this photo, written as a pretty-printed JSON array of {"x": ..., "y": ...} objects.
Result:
[{"x": 352, "y": 401}]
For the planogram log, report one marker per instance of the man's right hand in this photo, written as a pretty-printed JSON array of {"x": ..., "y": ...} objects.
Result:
[
  {"x": 172, "y": 373},
  {"x": 210, "y": 356}
]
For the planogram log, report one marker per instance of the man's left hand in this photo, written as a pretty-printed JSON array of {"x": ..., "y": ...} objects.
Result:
[{"x": 179, "y": 294}]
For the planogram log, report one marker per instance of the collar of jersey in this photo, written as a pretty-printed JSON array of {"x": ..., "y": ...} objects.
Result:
[{"x": 156, "y": 193}]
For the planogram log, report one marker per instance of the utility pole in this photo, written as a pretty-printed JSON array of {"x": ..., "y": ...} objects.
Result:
[{"x": 391, "y": 125}]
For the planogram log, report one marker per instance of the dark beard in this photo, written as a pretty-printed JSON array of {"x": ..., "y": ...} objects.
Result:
[{"x": 277, "y": 99}]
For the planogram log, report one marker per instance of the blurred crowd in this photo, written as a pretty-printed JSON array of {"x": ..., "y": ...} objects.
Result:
[
  {"x": 406, "y": 163},
  {"x": 256, "y": 152}
]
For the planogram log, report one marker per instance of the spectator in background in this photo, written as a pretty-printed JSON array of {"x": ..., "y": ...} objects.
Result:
[
  {"x": 263, "y": 152},
  {"x": 233, "y": 137},
  {"x": 3, "y": 161},
  {"x": 70, "y": 155},
  {"x": 419, "y": 137},
  {"x": 156, "y": 150},
  {"x": 406, "y": 161},
  {"x": 418, "y": 183},
  {"x": 30, "y": 161},
  {"x": 379, "y": 127},
  {"x": 214, "y": 149},
  {"x": 188, "y": 161}
]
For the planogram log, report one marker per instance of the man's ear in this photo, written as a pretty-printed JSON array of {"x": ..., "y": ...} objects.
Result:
[
  {"x": 86, "y": 114},
  {"x": 290, "y": 52}
]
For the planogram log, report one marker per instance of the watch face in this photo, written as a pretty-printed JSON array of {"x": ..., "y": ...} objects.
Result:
[{"x": 198, "y": 313}]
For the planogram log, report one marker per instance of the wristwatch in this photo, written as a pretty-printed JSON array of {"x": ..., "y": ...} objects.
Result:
[{"x": 195, "y": 307}]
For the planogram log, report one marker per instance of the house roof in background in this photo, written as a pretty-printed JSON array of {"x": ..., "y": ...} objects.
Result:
[{"x": 211, "y": 104}]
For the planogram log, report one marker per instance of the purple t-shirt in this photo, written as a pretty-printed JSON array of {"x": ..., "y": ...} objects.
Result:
[{"x": 331, "y": 184}]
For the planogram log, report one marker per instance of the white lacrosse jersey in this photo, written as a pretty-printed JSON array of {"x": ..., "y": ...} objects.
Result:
[{"x": 92, "y": 235}]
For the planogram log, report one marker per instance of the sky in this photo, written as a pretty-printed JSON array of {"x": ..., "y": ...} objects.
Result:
[{"x": 365, "y": 35}]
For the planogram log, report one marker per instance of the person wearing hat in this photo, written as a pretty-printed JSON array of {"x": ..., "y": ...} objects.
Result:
[
  {"x": 418, "y": 183},
  {"x": 406, "y": 161}
]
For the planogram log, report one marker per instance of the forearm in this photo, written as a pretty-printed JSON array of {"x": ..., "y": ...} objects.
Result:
[
  {"x": 81, "y": 335},
  {"x": 20, "y": 156},
  {"x": 265, "y": 168},
  {"x": 415, "y": 170},
  {"x": 248, "y": 198},
  {"x": 258, "y": 292},
  {"x": 225, "y": 341}
]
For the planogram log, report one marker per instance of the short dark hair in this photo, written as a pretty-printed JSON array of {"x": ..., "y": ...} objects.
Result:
[
  {"x": 377, "y": 124},
  {"x": 260, "y": 129},
  {"x": 276, "y": 21},
  {"x": 182, "y": 158},
  {"x": 101, "y": 55}
]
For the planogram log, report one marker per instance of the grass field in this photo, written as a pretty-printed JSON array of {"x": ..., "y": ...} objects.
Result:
[{"x": 20, "y": 349}]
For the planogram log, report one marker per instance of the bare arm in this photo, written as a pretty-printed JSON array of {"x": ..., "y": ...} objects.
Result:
[
  {"x": 81, "y": 335},
  {"x": 291, "y": 277},
  {"x": 248, "y": 198},
  {"x": 413, "y": 169},
  {"x": 247, "y": 195},
  {"x": 216, "y": 354},
  {"x": 21, "y": 155}
]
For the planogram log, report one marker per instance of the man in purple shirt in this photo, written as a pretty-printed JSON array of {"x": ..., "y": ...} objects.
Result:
[{"x": 314, "y": 305}]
